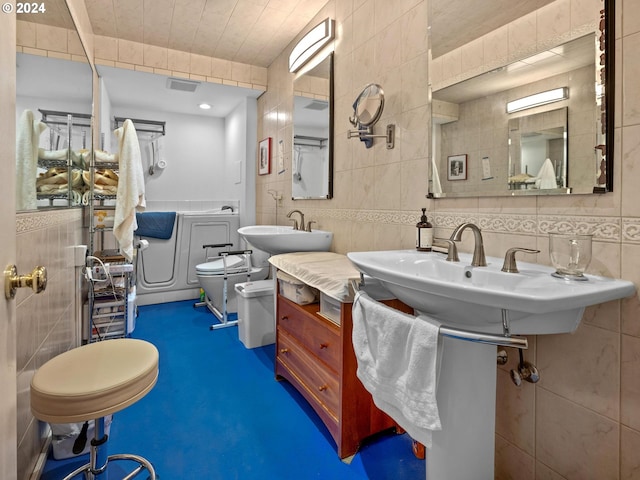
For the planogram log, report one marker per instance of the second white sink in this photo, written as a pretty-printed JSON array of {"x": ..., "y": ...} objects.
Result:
[{"x": 276, "y": 239}]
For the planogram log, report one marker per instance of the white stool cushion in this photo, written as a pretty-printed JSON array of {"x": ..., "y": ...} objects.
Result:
[{"x": 94, "y": 380}]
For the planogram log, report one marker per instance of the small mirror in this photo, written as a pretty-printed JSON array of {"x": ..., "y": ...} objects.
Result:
[
  {"x": 538, "y": 151},
  {"x": 312, "y": 156},
  {"x": 368, "y": 106}
]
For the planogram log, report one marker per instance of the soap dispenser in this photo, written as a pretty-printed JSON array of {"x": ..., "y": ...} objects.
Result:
[{"x": 424, "y": 233}]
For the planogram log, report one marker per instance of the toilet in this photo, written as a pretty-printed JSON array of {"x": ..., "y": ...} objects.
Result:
[{"x": 211, "y": 276}]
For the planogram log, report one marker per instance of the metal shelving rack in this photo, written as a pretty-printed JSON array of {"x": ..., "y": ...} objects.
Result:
[
  {"x": 109, "y": 309},
  {"x": 63, "y": 124}
]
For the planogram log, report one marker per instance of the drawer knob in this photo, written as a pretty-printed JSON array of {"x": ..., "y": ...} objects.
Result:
[
  {"x": 284, "y": 318},
  {"x": 284, "y": 350},
  {"x": 324, "y": 345},
  {"x": 322, "y": 388}
]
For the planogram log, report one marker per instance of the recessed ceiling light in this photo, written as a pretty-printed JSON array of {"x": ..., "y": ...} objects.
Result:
[{"x": 205, "y": 106}]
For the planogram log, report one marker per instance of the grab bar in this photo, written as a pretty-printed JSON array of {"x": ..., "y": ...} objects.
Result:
[
  {"x": 469, "y": 335},
  {"x": 481, "y": 337}
]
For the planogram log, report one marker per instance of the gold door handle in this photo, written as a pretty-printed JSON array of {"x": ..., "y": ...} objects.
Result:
[
  {"x": 284, "y": 350},
  {"x": 322, "y": 388},
  {"x": 324, "y": 345},
  {"x": 36, "y": 280}
]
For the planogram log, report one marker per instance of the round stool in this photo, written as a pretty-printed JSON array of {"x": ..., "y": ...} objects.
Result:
[{"x": 91, "y": 382}]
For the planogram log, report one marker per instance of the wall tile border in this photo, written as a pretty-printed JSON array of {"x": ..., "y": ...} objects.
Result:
[
  {"x": 31, "y": 221},
  {"x": 607, "y": 229}
]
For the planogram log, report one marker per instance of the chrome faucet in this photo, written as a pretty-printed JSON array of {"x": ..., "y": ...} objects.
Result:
[
  {"x": 479, "y": 259},
  {"x": 297, "y": 226}
]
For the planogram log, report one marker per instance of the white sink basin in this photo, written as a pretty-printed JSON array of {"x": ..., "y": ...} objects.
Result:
[
  {"x": 473, "y": 298},
  {"x": 276, "y": 239}
]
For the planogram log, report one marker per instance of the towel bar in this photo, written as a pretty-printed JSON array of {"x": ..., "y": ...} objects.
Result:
[{"x": 467, "y": 335}]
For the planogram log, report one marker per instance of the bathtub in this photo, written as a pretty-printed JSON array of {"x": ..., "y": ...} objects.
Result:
[{"x": 166, "y": 268}]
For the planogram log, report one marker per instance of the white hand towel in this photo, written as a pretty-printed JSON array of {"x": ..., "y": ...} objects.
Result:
[
  {"x": 27, "y": 142},
  {"x": 130, "y": 197},
  {"x": 397, "y": 363}
]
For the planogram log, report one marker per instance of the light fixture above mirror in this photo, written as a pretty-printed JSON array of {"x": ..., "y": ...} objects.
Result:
[
  {"x": 538, "y": 99},
  {"x": 311, "y": 43}
]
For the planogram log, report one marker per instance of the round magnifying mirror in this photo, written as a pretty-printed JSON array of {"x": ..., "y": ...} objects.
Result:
[{"x": 369, "y": 105}]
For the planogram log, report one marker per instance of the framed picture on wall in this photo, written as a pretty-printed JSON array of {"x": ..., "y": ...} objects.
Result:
[
  {"x": 457, "y": 167},
  {"x": 264, "y": 156}
]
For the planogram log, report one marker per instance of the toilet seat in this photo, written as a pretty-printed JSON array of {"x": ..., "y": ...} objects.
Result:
[{"x": 235, "y": 264}]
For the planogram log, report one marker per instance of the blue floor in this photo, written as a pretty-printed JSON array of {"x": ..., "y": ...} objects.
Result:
[{"x": 218, "y": 413}]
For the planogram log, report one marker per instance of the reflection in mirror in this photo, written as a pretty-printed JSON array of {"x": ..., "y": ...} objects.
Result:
[
  {"x": 469, "y": 114},
  {"x": 312, "y": 156},
  {"x": 538, "y": 151},
  {"x": 56, "y": 94},
  {"x": 367, "y": 110},
  {"x": 368, "y": 106},
  {"x": 53, "y": 111}
]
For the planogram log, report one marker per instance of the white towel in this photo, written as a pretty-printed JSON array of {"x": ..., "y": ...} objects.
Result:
[
  {"x": 130, "y": 197},
  {"x": 397, "y": 362},
  {"x": 27, "y": 142},
  {"x": 546, "y": 177}
]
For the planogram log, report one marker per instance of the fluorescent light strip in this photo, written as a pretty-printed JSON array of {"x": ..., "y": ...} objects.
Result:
[
  {"x": 538, "y": 99},
  {"x": 310, "y": 44}
]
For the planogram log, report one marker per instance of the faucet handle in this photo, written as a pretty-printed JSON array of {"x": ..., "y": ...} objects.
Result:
[
  {"x": 452, "y": 249},
  {"x": 509, "y": 264},
  {"x": 308, "y": 229}
]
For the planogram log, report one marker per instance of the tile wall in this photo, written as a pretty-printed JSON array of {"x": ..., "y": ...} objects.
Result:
[
  {"x": 582, "y": 420},
  {"x": 46, "y": 323}
]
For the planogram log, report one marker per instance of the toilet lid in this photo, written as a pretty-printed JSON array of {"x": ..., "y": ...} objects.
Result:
[{"x": 234, "y": 262}]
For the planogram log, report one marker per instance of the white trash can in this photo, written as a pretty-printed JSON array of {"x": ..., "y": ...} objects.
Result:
[{"x": 256, "y": 323}]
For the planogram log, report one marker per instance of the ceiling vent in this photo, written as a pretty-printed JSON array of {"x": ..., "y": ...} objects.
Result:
[
  {"x": 182, "y": 85},
  {"x": 317, "y": 105}
]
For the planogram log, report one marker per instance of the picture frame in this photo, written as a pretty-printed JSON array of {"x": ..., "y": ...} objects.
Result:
[
  {"x": 264, "y": 156},
  {"x": 457, "y": 167}
]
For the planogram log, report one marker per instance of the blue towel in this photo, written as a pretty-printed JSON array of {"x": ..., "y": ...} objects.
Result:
[{"x": 155, "y": 224}]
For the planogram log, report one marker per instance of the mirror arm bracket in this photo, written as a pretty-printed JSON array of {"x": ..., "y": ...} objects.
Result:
[{"x": 367, "y": 133}]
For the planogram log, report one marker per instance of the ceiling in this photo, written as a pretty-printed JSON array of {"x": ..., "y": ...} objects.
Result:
[
  {"x": 257, "y": 31},
  {"x": 130, "y": 88},
  {"x": 246, "y": 31},
  {"x": 456, "y": 22}
]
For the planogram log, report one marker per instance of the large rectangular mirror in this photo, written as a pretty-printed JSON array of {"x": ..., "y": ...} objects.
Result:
[
  {"x": 312, "y": 156},
  {"x": 53, "y": 111},
  {"x": 474, "y": 115}
]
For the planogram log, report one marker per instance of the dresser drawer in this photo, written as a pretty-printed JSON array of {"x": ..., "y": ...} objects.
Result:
[
  {"x": 317, "y": 335},
  {"x": 321, "y": 382}
]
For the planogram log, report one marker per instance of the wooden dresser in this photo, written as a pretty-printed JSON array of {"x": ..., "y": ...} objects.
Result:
[{"x": 316, "y": 356}]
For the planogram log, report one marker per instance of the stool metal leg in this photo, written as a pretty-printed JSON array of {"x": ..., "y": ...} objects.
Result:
[{"x": 99, "y": 459}]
